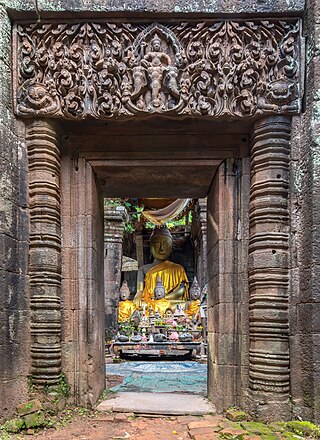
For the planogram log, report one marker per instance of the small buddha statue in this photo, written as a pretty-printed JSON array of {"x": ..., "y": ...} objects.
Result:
[
  {"x": 173, "y": 276},
  {"x": 160, "y": 303},
  {"x": 126, "y": 307},
  {"x": 192, "y": 307}
]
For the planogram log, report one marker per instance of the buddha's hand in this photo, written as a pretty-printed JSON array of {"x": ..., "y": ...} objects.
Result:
[
  {"x": 137, "y": 299},
  {"x": 177, "y": 293}
]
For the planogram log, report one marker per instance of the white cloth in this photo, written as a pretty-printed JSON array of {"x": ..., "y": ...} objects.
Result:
[{"x": 169, "y": 213}]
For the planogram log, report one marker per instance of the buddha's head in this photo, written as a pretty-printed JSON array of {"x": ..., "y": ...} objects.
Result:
[
  {"x": 124, "y": 291},
  {"x": 194, "y": 290},
  {"x": 161, "y": 243},
  {"x": 159, "y": 290}
]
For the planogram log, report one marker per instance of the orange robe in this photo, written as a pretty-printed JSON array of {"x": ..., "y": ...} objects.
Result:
[
  {"x": 125, "y": 310},
  {"x": 171, "y": 274},
  {"x": 161, "y": 306},
  {"x": 193, "y": 308}
]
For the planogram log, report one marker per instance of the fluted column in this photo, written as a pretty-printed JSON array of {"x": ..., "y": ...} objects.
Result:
[
  {"x": 268, "y": 267},
  {"x": 45, "y": 250}
]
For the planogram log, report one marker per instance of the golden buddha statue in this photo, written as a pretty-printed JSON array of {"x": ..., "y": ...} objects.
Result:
[
  {"x": 173, "y": 275},
  {"x": 126, "y": 307},
  {"x": 160, "y": 303},
  {"x": 192, "y": 307}
]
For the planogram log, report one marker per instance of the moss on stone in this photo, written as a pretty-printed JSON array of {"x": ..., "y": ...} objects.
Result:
[
  {"x": 291, "y": 436},
  {"x": 258, "y": 428},
  {"x": 236, "y": 415},
  {"x": 304, "y": 428},
  {"x": 278, "y": 426},
  {"x": 272, "y": 436},
  {"x": 230, "y": 424},
  {"x": 29, "y": 407},
  {"x": 35, "y": 420}
]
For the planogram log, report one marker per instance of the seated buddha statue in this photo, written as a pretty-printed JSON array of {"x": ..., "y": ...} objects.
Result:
[
  {"x": 126, "y": 307},
  {"x": 160, "y": 304},
  {"x": 192, "y": 307},
  {"x": 173, "y": 276}
]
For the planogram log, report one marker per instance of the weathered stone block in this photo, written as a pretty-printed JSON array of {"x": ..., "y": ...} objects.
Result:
[
  {"x": 29, "y": 407},
  {"x": 236, "y": 415},
  {"x": 35, "y": 420},
  {"x": 308, "y": 316}
]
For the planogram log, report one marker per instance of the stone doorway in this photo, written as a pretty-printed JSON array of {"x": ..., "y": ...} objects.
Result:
[
  {"x": 128, "y": 159},
  {"x": 92, "y": 168},
  {"x": 201, "y": 97}
]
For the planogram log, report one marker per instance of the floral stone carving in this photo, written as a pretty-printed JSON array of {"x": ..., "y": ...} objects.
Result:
[{"x": 212, "y": 69}]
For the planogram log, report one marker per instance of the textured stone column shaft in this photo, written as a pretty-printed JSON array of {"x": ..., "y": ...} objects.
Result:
[
  {"x": 113, "y": 237},
  {"x": 268, "y": 264},
  {"x": 45, "y": 250}
]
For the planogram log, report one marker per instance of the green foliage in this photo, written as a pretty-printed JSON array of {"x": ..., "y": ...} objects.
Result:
[
  {"x": 64, "y": 387},
  {"x": 13, "y": 425},
  {"x": 126, "y": 329}
]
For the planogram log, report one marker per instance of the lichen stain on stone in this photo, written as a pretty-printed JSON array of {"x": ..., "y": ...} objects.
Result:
[
  {"x": 316, "y": 109},
  {"x": 11, "y": 328},
  {"x": 297, "y": 178}
]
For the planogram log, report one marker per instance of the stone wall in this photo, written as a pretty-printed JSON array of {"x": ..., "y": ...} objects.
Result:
[
  {"x": 228, "y": 297},
  {"x": 47, "y": 8},
  {"x": 14, "y": 231},
  {"x": 305, "y": 251},
  {"x": 82, "y": 281},
  {"x": 305, "y": 190}
]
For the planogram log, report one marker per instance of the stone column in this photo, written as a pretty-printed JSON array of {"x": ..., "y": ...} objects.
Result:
[
  {"x": 139, "y": 248},
  {"x": 200, "y": 239},
  {"x": 268, "y": 268},
  {"x": 114, "y": 219},
  {"x": 45, "y": 250}
]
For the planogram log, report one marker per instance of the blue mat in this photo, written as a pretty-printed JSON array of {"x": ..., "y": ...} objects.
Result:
[{"x": 160, "y": 377}]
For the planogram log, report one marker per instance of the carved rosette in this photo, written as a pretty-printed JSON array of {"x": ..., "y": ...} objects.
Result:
[
  {"x": 44, "y": 256},
  {"x": 269, "y": 263},
  {"x": 211, "y": 69}
]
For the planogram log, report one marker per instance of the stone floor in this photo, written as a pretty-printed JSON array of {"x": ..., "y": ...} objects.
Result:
[
  {"x": 128, "y": 427},
  {"x": 157, "y": 403}
]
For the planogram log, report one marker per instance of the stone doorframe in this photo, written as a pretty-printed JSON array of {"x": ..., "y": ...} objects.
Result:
[{"x": 220, "y": 70}]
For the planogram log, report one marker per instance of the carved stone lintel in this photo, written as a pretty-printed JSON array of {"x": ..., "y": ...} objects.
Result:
[
  {"x": 45, "y": 249},
  {"x": 269, "y": 373},
  {"x": 221, "y": 69}
]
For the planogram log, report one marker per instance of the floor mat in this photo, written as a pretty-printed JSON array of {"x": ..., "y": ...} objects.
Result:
[{"x": 160, "y": 377}]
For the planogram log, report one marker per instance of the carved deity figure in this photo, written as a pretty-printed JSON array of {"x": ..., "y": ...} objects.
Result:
[
  {"x": 126, "y": 307},
  {"x": 192, "y": 307},
  {"x": 173, "y": 276},
  {"x": 160, "y": 303},
  {"x": 157, "y": 73}
]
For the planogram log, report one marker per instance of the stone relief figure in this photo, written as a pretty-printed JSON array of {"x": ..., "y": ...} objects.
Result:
[{"x": 155, "y": 79}]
